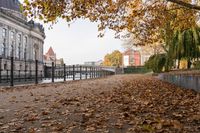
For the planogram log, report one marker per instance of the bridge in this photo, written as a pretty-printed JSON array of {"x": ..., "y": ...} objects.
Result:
[{"x": 115, "y": 70}]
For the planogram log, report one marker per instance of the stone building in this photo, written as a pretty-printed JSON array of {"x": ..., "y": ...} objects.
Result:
[
  {"x": 19, "y": 38},
  {"x": 50, "y": 57}
]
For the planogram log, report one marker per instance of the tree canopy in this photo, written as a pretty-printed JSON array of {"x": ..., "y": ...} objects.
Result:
[
  {"x": 145, "y": 19},
  {"x": 113, "y": 59}
]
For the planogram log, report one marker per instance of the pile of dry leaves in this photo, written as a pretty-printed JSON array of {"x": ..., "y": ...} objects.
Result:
[{"x": 117, "y": 104}]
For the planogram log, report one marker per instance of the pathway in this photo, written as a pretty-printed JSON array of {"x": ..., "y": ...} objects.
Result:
[{"x": 116, "y": 104}]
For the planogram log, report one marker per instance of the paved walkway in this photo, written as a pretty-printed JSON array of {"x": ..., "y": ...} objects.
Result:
[{"x": 117, "y": 104}]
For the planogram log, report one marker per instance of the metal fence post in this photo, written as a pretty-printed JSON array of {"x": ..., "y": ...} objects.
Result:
[
  {"x": 93, "y": 72},
  {"x": 45, "y": 69},
  {"x": 97, "y": 72},
  {"x": 19, "y": 75},
  {"x": 73, "y": 72},
  {"x": 90, "y": 72},
  {"x": 12, "y": 72},
  {"x": 68, "y": 71},
  {"x": 52, "y": 72},
  {"x": 94, "y": 69},
  {"x": 25, "y": 69},
  {"x": 64, "y": 72},
  {"x": 36, "y": 71},
  {"x": 80, "y": 72},
  {"x": 86, "y": 72},
  {"x": 0, "y": 68},
  {"x": 30, "y": 74},
  {"x": 41, "y": 77}
]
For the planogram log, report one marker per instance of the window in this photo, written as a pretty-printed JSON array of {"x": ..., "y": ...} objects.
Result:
[
  {"x": 3, "y": 48},
  {"x": 12, "y": 35},
  {"x": 4, "y": 32},
  {"x": 25, "y": 40},
  {"x": 11, "y": 49},
  {"x": 19, "y": 38},
  {"x": 5, "y": 66},
  {"x": 25, "y": 46},
  {"x": 132, "y": 59},
  {"x": 19, "y": 51}
]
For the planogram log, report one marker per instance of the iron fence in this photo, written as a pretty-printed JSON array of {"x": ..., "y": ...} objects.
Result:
[{"x": 42, "y": 73}]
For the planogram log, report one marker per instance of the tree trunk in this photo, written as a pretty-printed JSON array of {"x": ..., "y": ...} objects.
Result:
[
  {"x": 178, "y": 64},
  {"x": 189, "y": 64}
]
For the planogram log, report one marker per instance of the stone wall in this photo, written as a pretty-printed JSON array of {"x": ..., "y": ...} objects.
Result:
[{"x": 188, "y": 81}]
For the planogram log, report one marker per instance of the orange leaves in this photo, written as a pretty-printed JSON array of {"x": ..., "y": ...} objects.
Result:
[
  {"x": 145, "y": 19},
  {"x": 121, "y": 103},
  {"x": 113, "y": 59}
]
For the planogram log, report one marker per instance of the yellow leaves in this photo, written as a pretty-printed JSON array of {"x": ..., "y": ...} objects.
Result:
[
  {"x": 144, "y": 19},
  {"x": 113, "y": 59}
]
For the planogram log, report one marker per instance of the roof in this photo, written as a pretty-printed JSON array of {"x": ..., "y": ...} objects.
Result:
[
  {"x": 10, "y": 4},
  {"x": 50, "y": 52}
]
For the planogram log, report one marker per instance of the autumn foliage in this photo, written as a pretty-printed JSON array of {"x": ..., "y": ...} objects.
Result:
[
  {"x": 145, "y": 19},
  {"x": 113, "y": 59},
  {"x": 147, "y": 22}
]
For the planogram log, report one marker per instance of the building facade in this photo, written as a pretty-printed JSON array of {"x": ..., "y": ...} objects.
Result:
[
  {"x": 137, "y": 56},
  {"x": 19, "y": 38}
]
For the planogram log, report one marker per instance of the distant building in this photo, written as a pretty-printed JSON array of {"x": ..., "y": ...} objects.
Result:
[
  {"x": 137, "y": 56},
  {"x": 93, "y": 63},
  {"x": 19, "y": 38},
  {"x": 50, "y": 57},
  {"x": 99, "y": 63}
]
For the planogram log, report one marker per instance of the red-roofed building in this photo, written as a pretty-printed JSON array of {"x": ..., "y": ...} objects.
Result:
[
  {"x": 131, "y": 58},
  {"x": 50, "y": 57},
  {"x": 137, "y": 56}
]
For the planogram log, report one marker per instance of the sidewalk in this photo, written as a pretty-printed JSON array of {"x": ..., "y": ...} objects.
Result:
[{"x": 116, "y": 104}]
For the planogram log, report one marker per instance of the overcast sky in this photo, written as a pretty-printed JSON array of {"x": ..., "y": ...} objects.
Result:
[{"x": 79, "y": 42}]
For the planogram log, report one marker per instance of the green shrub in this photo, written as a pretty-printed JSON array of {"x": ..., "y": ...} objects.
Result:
[
  {"x": 156, "y": 63},
  {"x": 136, "y": 70},
  {"x": 196, "y": 64}
]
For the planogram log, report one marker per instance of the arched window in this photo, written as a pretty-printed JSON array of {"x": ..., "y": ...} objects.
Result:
[
  {"x": 19, "y": 51},
  {"x": 12, "y": 35},
  {"x": 3, "y": 48},
  {"x": 19, "y": 39},
  {"x": 4, "y": 32}
]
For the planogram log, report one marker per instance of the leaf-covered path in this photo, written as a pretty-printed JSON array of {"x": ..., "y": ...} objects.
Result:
[{"x": 116, "y": 104}]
